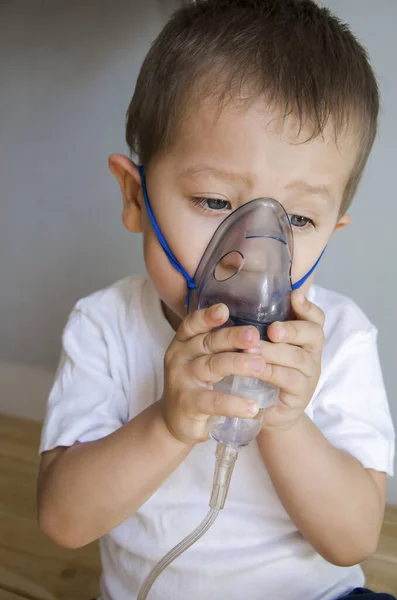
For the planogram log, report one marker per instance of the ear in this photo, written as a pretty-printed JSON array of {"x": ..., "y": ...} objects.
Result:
[
  {"x": 343, "y": 222},
  {"x": 127, "y": 175}
]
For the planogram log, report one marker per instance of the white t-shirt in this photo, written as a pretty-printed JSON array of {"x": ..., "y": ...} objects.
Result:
[{"x": 112, "y": 368}]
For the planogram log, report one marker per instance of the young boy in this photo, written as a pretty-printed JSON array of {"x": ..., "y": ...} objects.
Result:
[{"x": 237, "y": 99}]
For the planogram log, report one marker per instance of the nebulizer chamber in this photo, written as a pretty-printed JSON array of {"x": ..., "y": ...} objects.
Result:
[{"x": 246, "y": 266}]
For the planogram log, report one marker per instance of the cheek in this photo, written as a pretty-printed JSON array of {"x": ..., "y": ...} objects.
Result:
[
  {"x": 187, "y": 246},
  {"x": 307, "y": 249},
  {"x": 170, "y": 284}
]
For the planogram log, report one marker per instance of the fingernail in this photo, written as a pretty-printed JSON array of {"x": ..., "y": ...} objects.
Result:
[
  {"x": 280, "y": 331},
  {"x": 257, "y": 365},
  {"x": 253, "y": 407},
  {"x": 248, "y": 334},
  {"x": 256, "y": 350},
  {"x": 218, "y": 311}
]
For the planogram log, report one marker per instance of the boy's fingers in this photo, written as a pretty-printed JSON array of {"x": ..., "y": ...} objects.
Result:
[
  {"x": 219, "y": 403},
  {"x": 202, "y": 321},
  {"x": 228, "y": 339},
  {"x": 211, "y": 368},
  {"x": 306, "y": 310},
  {"x": 307, "y": 331},
  {"x": 289, "y": 355},
  {"x": 310, "y": 336},
  {"x": 291, "y": 381}
]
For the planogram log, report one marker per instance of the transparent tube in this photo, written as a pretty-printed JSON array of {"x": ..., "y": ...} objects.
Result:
[
  {"x": 239, "y": 432},
  {"x": 225, "y": 459},
  {"x": 177, "y": 551}
]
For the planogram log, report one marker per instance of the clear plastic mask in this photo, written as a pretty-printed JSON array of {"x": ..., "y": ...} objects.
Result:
[{"x": 247, "y": 266}]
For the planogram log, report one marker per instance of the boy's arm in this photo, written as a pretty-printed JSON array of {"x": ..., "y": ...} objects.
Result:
[
  {"x": 335, "y": 503},
  {"x": 86, "y": 490}
]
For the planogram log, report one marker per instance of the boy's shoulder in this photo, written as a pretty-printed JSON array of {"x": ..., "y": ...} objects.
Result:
[
  {"x": 344, "y": 319},
  {"x": 114, "y": 304},
  {"x": 126, "y": 315},
  {"x": 117, "y": 296}
]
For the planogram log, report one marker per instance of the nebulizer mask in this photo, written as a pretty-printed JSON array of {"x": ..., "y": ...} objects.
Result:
[{"x": 247, "y": 266}]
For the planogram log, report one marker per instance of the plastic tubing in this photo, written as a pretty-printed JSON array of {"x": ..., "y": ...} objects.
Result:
[{"x": 225, "y": 460}]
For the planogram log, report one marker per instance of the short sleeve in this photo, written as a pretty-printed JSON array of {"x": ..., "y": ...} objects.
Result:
[
  {"x": 351, "y": 407},
  {"x": 85, "y": 402}
]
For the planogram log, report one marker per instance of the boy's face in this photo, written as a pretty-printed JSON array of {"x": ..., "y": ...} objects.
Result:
[{"x": 217, "y": 164}]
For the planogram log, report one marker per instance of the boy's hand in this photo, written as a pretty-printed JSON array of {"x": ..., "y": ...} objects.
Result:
[
  {"x": 293, "y": 361},
  {"x": 199, "y": 357}
]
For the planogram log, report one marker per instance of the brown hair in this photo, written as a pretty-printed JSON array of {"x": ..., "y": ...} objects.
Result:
[{"x": 294, "y": 53}]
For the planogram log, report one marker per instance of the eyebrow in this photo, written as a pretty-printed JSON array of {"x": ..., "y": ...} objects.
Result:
[
  {"x": 217, "y": 173},
  {"x": 322, "y": 191}
]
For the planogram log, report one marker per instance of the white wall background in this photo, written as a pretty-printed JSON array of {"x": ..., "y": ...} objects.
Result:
[{"x": 67, "y": 72}]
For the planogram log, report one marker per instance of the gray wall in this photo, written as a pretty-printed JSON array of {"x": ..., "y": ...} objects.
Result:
[
  {"x": 360, "y": 261},
  {"x": 67, "y": 73}
]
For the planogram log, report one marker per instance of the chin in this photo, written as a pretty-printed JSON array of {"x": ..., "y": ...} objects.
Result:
[{"x": 170, "y": 285}]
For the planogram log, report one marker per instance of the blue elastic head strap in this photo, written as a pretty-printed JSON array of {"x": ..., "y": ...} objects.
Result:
[{"x": 191, "y": 284}]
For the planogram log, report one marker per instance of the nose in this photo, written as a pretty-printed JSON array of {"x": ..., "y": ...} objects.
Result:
[{"x": 229, "y": 265}]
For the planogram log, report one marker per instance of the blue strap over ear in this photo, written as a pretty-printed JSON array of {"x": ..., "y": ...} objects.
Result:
[
  {"x": 298, "y": 284},
  {"x": 191, "y": 284}
]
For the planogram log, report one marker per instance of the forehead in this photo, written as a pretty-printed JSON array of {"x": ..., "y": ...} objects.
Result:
[{"x": 258, "y": 142}]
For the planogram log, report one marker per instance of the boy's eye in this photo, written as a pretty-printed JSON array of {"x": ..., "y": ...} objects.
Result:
[
  {"x": 300, "y": 222},
  {"x": 212, "y": 204}
]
